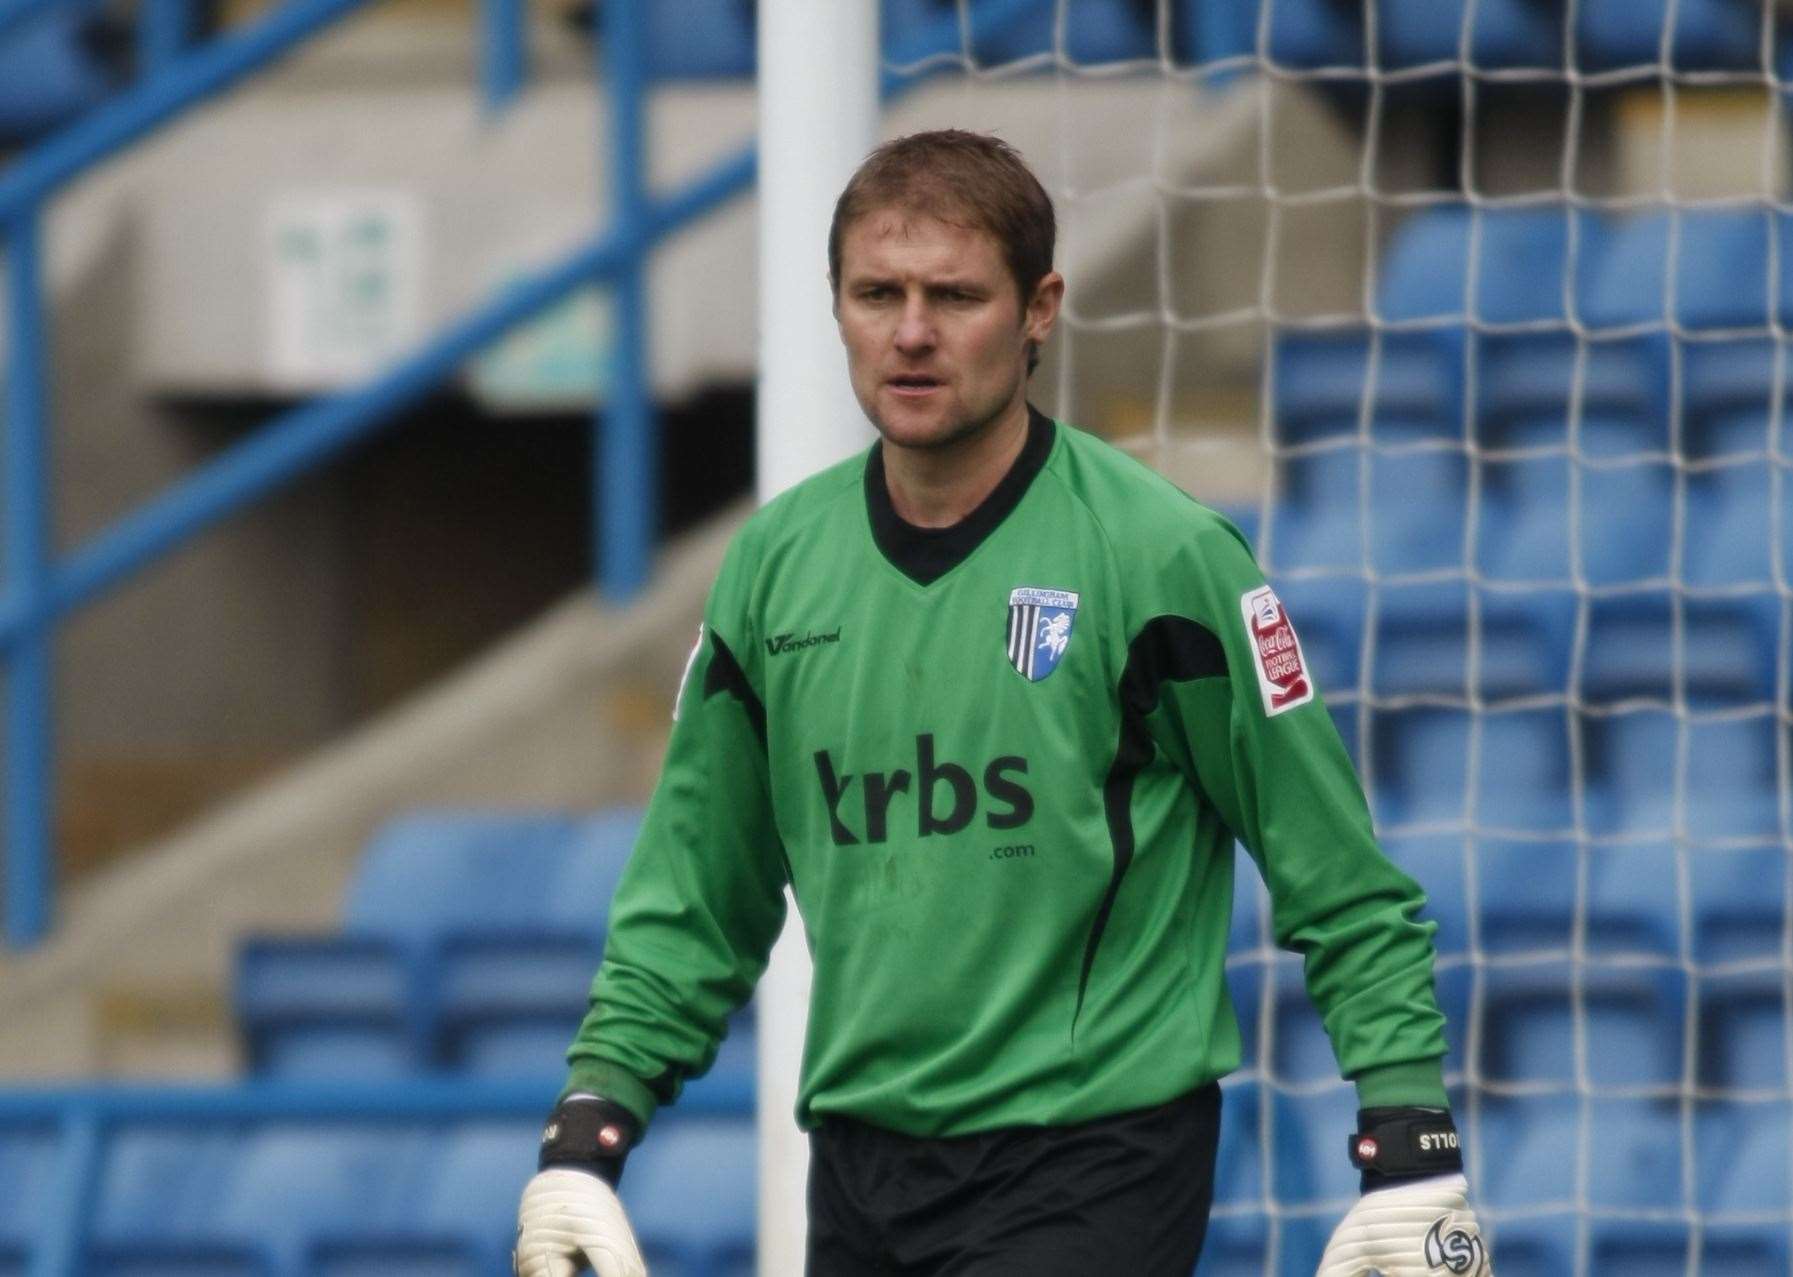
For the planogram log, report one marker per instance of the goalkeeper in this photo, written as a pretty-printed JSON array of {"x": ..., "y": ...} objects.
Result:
[{"x": 995, "y": 701}]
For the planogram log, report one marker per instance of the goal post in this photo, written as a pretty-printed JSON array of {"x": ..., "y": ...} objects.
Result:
[{"x": 818, "y": 96}]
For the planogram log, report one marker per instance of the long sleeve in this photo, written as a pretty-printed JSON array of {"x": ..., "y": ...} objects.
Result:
[
  {"x": 702, "y": 898},
  {"x": 1251, "y": 731}
]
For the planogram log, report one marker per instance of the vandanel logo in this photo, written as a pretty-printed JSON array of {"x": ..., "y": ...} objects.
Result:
[{"x": 779, "y": 644}]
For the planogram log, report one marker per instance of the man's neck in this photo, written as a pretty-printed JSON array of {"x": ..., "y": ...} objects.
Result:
[{"x": 938, "y": 487}]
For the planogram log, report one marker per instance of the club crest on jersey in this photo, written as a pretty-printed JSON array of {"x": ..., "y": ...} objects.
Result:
[
  {"x": 1282, "y": 674},
  {"x": 1039, "y": 630}
]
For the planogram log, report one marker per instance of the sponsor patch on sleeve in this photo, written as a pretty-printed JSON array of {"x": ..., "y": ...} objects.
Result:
[{"x": 1282, "y": 674}]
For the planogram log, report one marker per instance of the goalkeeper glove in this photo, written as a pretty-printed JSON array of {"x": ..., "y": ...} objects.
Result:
[
  {"x": 570, "y": 1215},
  {"x": 1413, "y": 1219}
]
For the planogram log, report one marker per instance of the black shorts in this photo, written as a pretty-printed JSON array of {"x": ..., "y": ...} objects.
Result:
[{"x": 1126, "y": 1194}]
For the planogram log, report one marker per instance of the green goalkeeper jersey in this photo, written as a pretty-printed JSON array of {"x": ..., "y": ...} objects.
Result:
[{"x": 1002, "y": 767}]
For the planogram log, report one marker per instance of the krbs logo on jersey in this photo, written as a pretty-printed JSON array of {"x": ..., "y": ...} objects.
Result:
[{"x": 1039, "y": 630}]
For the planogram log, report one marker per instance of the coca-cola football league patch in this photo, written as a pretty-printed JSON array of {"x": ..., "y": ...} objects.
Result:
[{"x": 1282, "y": 674}]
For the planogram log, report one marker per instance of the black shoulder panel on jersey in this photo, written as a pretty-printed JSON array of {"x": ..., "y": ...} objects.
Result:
[
  {"x": 1167, "y": 649},
  {"x": 726, "y": 675},
  {"x": 924, "y": 555}
]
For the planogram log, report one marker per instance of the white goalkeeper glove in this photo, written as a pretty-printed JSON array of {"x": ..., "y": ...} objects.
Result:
[
  {"x": 569, "y": 1219},
  {"x": 1415, "y": 1228},
  {"x": 570, "y": 1215}
]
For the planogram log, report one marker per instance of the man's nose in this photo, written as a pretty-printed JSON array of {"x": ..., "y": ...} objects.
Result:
[{"x": 915, "y": 330}]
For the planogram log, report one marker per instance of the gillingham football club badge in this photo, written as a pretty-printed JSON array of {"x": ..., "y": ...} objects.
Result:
[
  {"x": 1039, "y": 630},
  {"x": 1282, "y": 674}
]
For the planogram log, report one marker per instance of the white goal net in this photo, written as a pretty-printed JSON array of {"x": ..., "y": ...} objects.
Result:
[{"x": 1474, "y": 314}]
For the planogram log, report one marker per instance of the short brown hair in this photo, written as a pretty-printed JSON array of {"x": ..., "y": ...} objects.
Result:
[{"x": 969, "y": 179}]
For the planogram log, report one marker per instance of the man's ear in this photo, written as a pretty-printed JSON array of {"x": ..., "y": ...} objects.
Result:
[{"x": 1043, "y": 307}]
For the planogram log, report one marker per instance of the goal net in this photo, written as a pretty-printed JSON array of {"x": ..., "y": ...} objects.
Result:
[{"x": 1473, "y": 314}]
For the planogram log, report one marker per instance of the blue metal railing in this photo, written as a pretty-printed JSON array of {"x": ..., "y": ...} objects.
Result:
[
  {"x": 40, "y": 590},
  {"x": 85, "y": 1115}
]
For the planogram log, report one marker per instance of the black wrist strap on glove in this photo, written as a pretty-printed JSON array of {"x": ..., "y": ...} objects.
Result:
[
  {"x": 589, "y": 1133},
  {"x": 1396, "y": 1144}
]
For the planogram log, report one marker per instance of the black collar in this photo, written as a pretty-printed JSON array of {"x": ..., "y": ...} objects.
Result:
[{"x": 924, "y": 555}]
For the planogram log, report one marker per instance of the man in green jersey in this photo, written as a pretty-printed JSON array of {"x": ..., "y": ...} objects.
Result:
[{"x": 996, "y": 701}]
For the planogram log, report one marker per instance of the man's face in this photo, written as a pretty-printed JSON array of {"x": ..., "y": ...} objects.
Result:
[{"x": 934, "y": 326}]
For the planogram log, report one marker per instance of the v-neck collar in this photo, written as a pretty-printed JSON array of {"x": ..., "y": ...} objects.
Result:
[{"x": 924, "y": 555}]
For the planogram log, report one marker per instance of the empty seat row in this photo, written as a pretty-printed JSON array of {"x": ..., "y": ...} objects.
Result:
[
  {"x": 468, "y": 938},
  {"x": 1626, "y": 320},
  {"x": 371, "y": 1197},
  {"x": 1551, "y": 519},
  {"x": 1701, "y": 34},
  {"x": 715, "y": 38},
  {"x": 1448, "y": 640}
]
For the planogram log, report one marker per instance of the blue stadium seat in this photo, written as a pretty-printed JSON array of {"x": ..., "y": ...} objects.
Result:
[
  {"x": 328, "y": 1006},
  {"x": 29, "y": 1156},
  {"x": 1707, "y": 35},
  {"x": 156, "y": 1203},
  {"x": 1303, "y": 33},
  {"x": 1725, "y": 659},
  {"x": 1744, "y": 1250},
  {"x": 1321, "y": 379},
  {"x": 504, "y": 1001},
  {"x": 1321, "y": 523},
  {"x": 1424, "y": 634},
  {"x": 432, "y": 872},
  {"x": 701, "y": 39},
  {"x": 465, "y": 1219},
  {"x": 1633, "y": 899},
  {"x": 1741, "y": 1151},
  {"x": 290, "y": 1184},
  {"x": 1526, "y": 893},
  {"x": 50, "y": 72},
  {"x": 1743, "y": 1031},
  {"x": 1627, "y": 522},
  {"x": 1639, "y": 1248},
  {"x": 691, "y": 1194},
  {"x": 1533, "y": 1245},
  {"x": 1328, "y": 616},
  {"x": 1302, "y": 1052},
  {"x": 1638, "y": 1165},
  {"x": 1522, "y": 771},
  {"x": 1307, "y": 1165},
  {"x": 1096, "y": 31},
  {"x": 1730, "y": 526},
  {"x": 1237, "y": 1243},
  {"x": 1530, "y": 1154},
  {"x": 1504, "y": 33},
  {"x": 1522, "y": 531},
  {"x": 1632, "y": 1023},
  {"x": 1421, "y": 766},
  {"x": 1739, "y": 914},
  {"x": 456, "y": 923},
  {"x": 1538, "y": 267},
  {"x": 1416, "y": 510}
]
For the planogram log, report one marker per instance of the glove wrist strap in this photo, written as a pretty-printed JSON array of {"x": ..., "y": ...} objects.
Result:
[
  {"x": 589, "y": 1133},
  {"x": 1392, "y": 1145}
]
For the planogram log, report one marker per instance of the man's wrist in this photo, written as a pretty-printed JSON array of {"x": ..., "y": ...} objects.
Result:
[
  {"x": 589, "y": 1133},
  {"x": 1399, "y": 1145}
]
